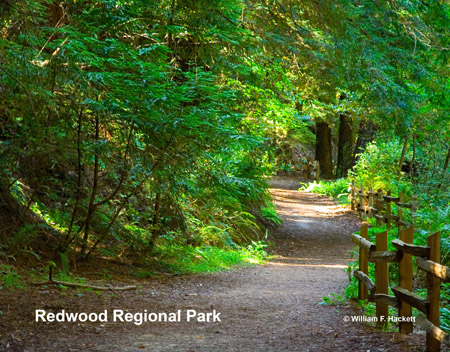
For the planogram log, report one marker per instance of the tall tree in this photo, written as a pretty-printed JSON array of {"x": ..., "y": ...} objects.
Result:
[{"x": 324, "y": 149}]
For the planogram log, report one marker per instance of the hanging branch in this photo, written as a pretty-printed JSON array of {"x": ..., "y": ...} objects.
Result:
[
  {"x": 122, "y": 173},
  {"x": 127, "y": 198}
]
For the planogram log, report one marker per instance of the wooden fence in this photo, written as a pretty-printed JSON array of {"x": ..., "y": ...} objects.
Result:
[{"x": 378, "y": 205}]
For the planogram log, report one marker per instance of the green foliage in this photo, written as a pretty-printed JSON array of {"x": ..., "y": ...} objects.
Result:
[
  {"x": 19, "y": 243},
  {"x": 269, "y": 213},
  {"x": 351, "y": 291},
  {"x": 338, "y": 189},
  {"x": 187, "y": 259},
  {"x": 146, "y": 123},
  {"x": 445, "y": 319},
  {"x": 377, "y": 167},
  {"x": 445, "y": 312},
  {"x": 125, "y": 123},
  {"x": 432, "y": 218},
  {"x": 332, "y": 299},
  {"x": 9, "y": 278},
  {"x": 65, "y": 262}
]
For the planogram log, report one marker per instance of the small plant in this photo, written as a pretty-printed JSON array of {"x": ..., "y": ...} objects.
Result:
[
  {"x": 269, "y": 213},
  {"x": 332, "y": 299},
  {"x": 9, "y": 278},
  {"x": 351, "y": 291},
  {"x": 257, "y": 250}
]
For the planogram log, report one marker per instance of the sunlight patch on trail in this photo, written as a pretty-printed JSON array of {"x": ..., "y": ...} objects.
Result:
[{"x": 330, "y": 266}]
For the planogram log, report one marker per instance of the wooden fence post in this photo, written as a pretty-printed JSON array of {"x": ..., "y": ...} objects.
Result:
[
  {"x": 400, "y": 213},
  {"x": 361, "y": 201},
  {"x": 413, "y": 208},
  {"x": 353, "y": 196},
  {"x": 363, "y": 264},
  {"x": 388, "y": 212},
  {"x": 380, "y": 206},
  {"x": 433, "y": 292},
  {"x": 405, "y": 280},
  {"x": 382, "y": 278},
  {"x": 370, "y": 193}
]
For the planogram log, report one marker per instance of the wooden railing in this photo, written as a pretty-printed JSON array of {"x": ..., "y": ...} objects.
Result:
[
  {"x": 379, "y": 205},
  {"x": 427, "y": 257}
]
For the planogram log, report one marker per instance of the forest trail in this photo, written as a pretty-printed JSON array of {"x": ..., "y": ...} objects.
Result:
[{"x": 273, "y": 307}]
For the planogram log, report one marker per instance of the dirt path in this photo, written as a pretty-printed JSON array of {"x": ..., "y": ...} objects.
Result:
[{"x": 264, "y": 308}]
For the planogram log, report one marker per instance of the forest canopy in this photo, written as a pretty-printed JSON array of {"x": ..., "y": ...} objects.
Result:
[{"x": 129, "y": 128}]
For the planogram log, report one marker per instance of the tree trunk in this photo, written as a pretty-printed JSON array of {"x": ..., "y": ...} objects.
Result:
[
  {"x": 324, "y": 149},
  {"x": 155, "y": 232},
  {"x": 446, "y": 164},
  {"x": 447, "y": 161},
  {"x": 345, "y": 157},
  {"x": 365, "y": 135},
  {"x": 91, "y": 207},
  {"x": 402, "y": 157}
]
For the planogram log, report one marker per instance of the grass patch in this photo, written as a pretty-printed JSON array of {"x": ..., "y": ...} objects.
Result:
[
  {"x": 338, "y": 189},
  {"x": 187, "y": 259}
]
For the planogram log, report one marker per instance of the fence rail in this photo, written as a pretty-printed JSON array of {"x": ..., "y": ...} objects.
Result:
[
  {"x": 427, "y": 258},
  {"x": 379, "y": 205}
]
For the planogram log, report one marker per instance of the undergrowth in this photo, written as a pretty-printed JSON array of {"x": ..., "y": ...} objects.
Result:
[
  {"x": 171, "y": 258},
  {"x": 186, "y": 259},
  {"x": 10, "y": 278},
  {"x": 338, "y": 189}
]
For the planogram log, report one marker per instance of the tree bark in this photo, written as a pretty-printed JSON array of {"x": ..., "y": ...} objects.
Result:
[
  {"x": 345, "y": 141},
  {"x": 324, "y": 149},
  {"x": 68, "y": 239},
  {"x": 91, "y": 207},
  {"x": 365, "y": 135},
  {"x": 447, "y": 161},
  {"x": 402, "y": 157},
  {"x": 446, "y": 164}
]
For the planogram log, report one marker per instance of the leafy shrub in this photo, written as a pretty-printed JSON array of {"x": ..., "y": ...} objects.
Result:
[
  {"x": 432, "y": 218},
  {"x": 377, "y": 167},
  {"x": 19, "y": 243},
  {"x": 269, "y": 213},
  {"x": 338, "y": 189}
]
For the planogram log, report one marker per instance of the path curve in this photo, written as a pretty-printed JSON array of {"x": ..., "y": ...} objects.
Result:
[{"x": 273, "y": 307}]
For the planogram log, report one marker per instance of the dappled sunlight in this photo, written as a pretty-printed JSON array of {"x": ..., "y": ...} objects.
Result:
[
  {"x": 330, "y": 266},
  {"x": 306, "y": 262},
  {"x": 316, "y": 210},
  {"x": 296, "y": 258},
  {"x": 310, "y": 212}
]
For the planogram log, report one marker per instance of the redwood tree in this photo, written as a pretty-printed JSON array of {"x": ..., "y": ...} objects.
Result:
[{"x": 324, "y": 149}]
